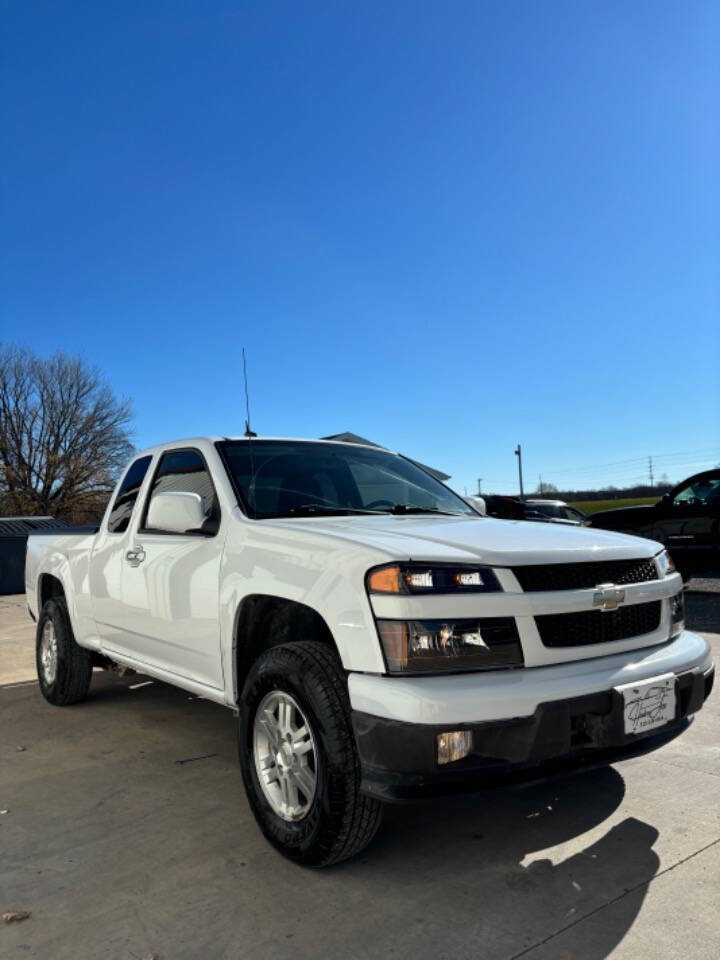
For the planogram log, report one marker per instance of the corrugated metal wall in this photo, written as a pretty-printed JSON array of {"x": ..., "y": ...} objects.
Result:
[{"x": 14, "y": 532}]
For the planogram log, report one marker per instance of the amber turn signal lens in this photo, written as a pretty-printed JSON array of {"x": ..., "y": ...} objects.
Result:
[{"x": 385, "y": 580}]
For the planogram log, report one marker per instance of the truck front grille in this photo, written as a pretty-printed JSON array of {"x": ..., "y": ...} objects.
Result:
[
  {"x": 596, "y": 626},
  {"x": 581, "y": 576}
]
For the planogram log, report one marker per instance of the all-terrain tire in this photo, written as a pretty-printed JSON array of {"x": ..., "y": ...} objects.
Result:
[
  {"x": 69, "y": 682},
  {"x": 341, "y": 821}
]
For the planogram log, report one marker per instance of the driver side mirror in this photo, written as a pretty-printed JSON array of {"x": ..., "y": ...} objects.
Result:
[{"x": 180, "y": 512}]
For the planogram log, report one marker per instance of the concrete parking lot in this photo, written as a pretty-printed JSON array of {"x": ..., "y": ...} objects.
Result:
[{"x": 124, "y": 831}]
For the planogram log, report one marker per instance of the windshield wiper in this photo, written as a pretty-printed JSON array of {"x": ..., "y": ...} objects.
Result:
[
  {"x": 310, "y": 508},
  {"x": 401, "y": 508}
]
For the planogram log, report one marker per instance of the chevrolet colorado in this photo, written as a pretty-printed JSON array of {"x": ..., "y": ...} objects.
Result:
[{"x": 377, "y": 638}]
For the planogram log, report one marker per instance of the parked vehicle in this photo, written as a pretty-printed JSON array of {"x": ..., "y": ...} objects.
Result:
[
  {"x": 504, "y": 508},
  {"x": 686, "y": 520},
  {"x": 554, "y": 511},
  {"x": 544, "y": 511},
  {"x": 377, "y": 638}
]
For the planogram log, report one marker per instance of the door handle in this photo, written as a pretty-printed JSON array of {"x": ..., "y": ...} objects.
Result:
[{"x": 135, "y": 556}]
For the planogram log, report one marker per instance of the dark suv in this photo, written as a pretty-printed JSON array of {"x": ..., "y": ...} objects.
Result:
[{"x": 686, "y": 520}]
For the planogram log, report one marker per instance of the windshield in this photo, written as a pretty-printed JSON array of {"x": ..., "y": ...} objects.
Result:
[{"x": 285, "y": 478}]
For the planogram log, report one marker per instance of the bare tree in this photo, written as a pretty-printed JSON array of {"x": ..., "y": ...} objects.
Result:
[
  {"x": 544, "y": 487},
  {"x": 64, "y": 436}
]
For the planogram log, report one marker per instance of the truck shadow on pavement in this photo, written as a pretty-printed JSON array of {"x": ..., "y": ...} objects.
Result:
[
  {"x": 518, "y": 860},
  {"x": 151, "y": 773}
]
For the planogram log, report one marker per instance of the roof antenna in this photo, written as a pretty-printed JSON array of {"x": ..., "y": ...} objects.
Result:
[{"x": 248, "y": 432}]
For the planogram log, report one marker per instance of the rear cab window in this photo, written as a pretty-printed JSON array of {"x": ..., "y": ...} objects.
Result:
[{"x": 122, "y": 508}]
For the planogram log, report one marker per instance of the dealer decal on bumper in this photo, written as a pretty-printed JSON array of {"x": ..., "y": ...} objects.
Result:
[{"x": 649, "y": 704}]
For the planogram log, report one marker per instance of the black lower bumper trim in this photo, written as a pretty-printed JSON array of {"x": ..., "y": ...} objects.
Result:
[{"x": 399, "y": 759}]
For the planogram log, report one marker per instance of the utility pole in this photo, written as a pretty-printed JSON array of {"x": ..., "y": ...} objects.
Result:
[
  {"x": 518, "y": 454},
  {"x": 540, "y": 486},
  {"x": 479, "y": 486},
  {"x": 650, "y": 469}
]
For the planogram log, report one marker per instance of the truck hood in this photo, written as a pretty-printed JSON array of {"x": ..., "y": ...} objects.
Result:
[{"x": 485, "y": 539}]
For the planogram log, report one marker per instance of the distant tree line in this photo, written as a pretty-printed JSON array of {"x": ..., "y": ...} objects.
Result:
[
  {"x": 64, "y": 437},
  {"x": 612, "y": 493},
  {"x": 549, "y": 491}
]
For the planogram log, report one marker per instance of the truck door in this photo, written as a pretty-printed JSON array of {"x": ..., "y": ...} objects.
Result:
[
  {"x": 170, "y": 581},
  {"x": 107, "y": 561}
]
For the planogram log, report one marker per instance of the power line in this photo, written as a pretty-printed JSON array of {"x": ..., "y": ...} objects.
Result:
[
  {"x": 600, "y": 475},
  {"x": 589, "y": 468},
  {"x": 697, "y": 467}
]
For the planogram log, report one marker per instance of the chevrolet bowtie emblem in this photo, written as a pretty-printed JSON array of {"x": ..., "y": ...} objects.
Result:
[{"x": 608, "y": 597}]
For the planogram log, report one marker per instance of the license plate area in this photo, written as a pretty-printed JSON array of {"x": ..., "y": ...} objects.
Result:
[{"x": 649, "y": 704}]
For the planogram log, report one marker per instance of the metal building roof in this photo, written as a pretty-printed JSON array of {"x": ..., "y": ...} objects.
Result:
[
  {"x": 349, "y": 437},
  {"x": 22, "y": 526}
]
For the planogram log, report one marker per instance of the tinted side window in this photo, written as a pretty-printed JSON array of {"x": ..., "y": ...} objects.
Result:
[
  {"x": 122, "y": 509},
  {"x": 185, "y": 471},
  {"x": 700, "y": 493}
]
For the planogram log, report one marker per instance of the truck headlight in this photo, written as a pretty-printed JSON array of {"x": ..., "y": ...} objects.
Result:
[
  {"x": 441, "y": 646},
  {"x": 432, "y": 578},
  {"x": 665, "y": 564}
]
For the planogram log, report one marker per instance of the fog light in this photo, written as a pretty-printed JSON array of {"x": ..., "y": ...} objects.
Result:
[{"x": 454, "y": 746}]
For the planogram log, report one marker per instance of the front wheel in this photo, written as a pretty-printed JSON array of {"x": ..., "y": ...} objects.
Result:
[{"x": 298, "y": 757}]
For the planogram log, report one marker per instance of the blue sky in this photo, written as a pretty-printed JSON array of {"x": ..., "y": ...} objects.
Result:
[{"x": 446, "y": 227}]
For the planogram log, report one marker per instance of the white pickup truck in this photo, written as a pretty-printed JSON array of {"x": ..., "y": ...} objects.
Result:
[{"x": 377, "y": 638}]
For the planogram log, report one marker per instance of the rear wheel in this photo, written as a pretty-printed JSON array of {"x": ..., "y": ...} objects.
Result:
[
  {"x": 298, "y": 757},
  {"x": 64, "y": 668}
]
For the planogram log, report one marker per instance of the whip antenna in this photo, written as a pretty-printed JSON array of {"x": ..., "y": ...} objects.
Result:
[
  {"x": 249, "y": 434},
  {"x": 248, "y": 431}
]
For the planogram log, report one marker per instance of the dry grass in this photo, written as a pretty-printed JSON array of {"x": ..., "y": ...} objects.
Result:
[{"x": 592, "y": 506}]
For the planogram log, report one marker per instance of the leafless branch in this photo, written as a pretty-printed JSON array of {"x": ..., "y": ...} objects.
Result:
[{"x": 64, "y": 436}]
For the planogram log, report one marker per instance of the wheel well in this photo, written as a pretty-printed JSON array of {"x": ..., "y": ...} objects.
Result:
[
  {"x": 263, "y": 622},
  {"x": 48, "y": 588}
]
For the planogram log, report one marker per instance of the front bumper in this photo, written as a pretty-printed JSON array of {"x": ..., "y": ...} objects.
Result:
[{"x": 398, "y": 753}]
